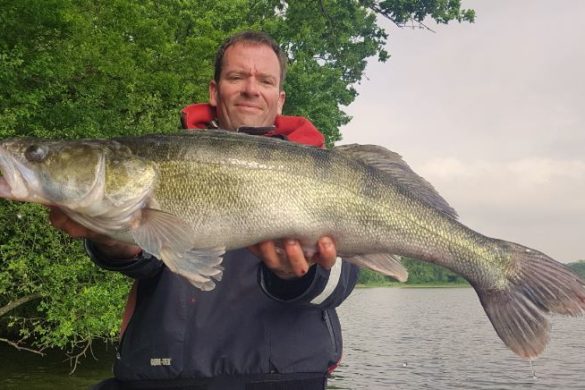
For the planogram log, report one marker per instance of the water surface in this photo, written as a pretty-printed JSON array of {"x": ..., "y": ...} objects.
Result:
[
  {"x": 21, "y": 370},
  {"x": 441, "y": 339},
  {"x": 394, "y": 339}
]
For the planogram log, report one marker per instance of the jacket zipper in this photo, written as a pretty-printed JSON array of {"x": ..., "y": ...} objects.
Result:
[{"x": 327, "y": 320}]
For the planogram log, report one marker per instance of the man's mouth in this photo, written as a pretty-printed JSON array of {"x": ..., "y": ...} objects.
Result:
[
  {"x": 12, "y": 182},
  {"x": 4, "y": 171},
  {"x": 248, "y": 107}
]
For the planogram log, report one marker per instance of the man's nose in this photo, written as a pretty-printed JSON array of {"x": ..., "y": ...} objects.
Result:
[{"x": 251, "y": 87}]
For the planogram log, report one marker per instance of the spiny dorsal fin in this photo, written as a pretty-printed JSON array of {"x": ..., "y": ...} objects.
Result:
[{"x": 392, "y": 164}]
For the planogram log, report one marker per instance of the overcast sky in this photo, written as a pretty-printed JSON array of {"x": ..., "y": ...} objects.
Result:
[{"x": 493, "y": 115}]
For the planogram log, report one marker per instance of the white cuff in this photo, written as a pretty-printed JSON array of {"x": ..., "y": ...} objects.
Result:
[{"x": 334, "y": 276}]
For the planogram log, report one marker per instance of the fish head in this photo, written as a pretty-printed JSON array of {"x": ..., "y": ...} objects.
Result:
[{"x": 71, "y": 174}]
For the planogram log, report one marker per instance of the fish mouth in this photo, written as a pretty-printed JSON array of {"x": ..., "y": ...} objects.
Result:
[
  {"x": 6, "y": 171},
  {"x": 14, "y": 177},
  {"x": 4, "y": 187}
]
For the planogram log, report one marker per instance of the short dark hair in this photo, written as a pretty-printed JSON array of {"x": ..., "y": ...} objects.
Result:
[{"x": 255, "y": 38}]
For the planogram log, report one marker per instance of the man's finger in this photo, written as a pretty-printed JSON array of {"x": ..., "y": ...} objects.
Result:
[
  {"x": 267, "y": 252},
  {"x": 61, "y": 221},
  {"x": 296, "y": 257},
  {"x": 327, "y": 252},
  {"x": 57, "y": 218}
]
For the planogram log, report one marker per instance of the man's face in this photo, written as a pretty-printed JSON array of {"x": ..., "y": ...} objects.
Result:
[{"x": 248, "y": 92}]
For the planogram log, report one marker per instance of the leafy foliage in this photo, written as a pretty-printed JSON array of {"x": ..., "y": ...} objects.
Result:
[
  {"x": 72, "y": 69},
  {"x": 75, "y": 301},
  {"x": 420, "y": 273}
]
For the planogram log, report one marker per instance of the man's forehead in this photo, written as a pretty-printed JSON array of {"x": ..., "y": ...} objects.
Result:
[{"x": 244, "y": 54}]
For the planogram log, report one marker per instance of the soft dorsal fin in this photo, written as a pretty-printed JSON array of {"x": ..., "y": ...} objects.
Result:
[{"x": 392, "y": 164}]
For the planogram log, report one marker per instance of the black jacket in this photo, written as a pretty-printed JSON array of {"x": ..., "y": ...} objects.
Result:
[{"x": 252, "y": 326}]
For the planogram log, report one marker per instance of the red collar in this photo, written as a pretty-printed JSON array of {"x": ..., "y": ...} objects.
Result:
[{"x": 292, "y": 128}]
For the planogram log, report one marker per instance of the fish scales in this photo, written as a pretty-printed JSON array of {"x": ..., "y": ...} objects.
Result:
[
  {"x": 188, "y": 198},
  {"x": 349, "y": 201},
  {"x": 357, "y": 215}
]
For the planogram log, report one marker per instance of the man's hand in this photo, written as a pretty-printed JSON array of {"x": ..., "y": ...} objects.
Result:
[
  {"x": 290, "y": 261},
  {"x": 105, "y": 244}
]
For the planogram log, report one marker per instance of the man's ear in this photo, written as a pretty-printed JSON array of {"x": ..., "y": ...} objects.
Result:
[
  {"x": 281, "y": 99},
  {"x": 213, "y": 93}
]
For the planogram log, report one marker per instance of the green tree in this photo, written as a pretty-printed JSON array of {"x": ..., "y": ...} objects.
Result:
[
  {"x": 72, "y": 69},
  {"x": 50, "y": 294}
]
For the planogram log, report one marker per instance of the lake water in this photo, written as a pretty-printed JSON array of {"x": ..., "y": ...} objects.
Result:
[
  {"x": 441, "y": 339},
  {"x": 394, "y": 339}
]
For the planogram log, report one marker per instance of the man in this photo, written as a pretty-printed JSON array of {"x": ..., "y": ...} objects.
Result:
[{"x": 271, "y": 322}]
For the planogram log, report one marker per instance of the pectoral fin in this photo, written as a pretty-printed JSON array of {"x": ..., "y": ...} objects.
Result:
[
  {"x": 383, "y": 263},
  {"x": 199, "y": 266},
  {"x": 169, "y": 238}
]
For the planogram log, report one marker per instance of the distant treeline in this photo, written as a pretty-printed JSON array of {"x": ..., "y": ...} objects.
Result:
[
  {"x": 578, "y": 267},
  {"x": 424, "y": 273},
  {"x": 418, "y": 273}
]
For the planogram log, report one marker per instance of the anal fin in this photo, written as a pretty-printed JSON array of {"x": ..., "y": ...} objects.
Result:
[{"x": 383, "y": 263}]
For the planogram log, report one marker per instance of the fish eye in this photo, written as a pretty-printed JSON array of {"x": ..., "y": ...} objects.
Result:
[{"x": 35, "y": 153}]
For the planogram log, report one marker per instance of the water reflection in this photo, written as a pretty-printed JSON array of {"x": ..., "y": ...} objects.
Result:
[
  {"x": 441, "y": 339},
  {"x": 25, "y": 370}
]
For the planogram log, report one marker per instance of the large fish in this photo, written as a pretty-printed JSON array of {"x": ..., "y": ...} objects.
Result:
[{"x": 189, "y": 198}]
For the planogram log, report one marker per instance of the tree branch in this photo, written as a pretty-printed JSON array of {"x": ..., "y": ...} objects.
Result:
[
  {"x": 380, "y": 11},
  {"x": 74, "y": 359},
  {"x": 20, "y": 301},
  {"x": 15, "y": 345}
]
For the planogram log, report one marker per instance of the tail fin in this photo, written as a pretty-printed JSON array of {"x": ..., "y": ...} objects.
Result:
[{"x": 537, "y": 285}]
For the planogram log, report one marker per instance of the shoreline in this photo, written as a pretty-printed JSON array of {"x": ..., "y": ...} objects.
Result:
[{"x": 422, "y": 285}]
